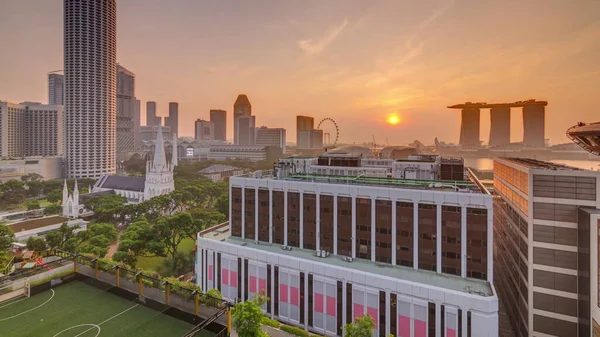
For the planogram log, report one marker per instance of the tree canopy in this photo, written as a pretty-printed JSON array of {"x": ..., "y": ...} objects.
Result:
[
  {"x": 95, "y": 240},
  {"x": 7, "y": 237},
  {"x": 107, "y": 207},
  {"x": 247, "y": 317},
  {"x": 361, "y": 327}
]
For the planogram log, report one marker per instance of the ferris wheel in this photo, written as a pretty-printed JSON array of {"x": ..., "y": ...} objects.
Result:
[{"x": 328, "y": 135}]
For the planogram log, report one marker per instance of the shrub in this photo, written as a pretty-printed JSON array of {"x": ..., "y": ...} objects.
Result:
[
  {"x": 294, "y": 330},
  {"x": 270, "y": 322}
]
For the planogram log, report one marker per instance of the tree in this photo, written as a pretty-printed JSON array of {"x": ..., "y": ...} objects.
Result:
[
  {"x": 13, "y": 192},
  {"x": 31, "y": 177},
  {"x": 361, "y": 327},
  {"x": 34, "y": 188},
  {"x": 52, "y": 209},
  {"x": 54, "y": 196},
  {"x": 7, "y": 237},
  {"x": 107, "y": 207},
  {"x": 204, "y": 218},
  {"x": 247, "y": 317},
  {"x": 59, "y": 238},
  {"x": 35, "y": 243},
  {"x": 32, "y": 204},
  {"x": 222, "y": 205},
  {"x": 168, "y": 233}
]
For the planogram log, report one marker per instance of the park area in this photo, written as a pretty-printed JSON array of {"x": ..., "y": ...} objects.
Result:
[{"x": 85, "y": 309}]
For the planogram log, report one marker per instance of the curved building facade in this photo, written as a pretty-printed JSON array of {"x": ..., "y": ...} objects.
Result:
[
  {"x": 587, "y": 136},
  {"x": 90, "y": 87}
]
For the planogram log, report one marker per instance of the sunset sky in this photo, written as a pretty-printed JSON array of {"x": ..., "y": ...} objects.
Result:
[{"x": 355, "y": 61}]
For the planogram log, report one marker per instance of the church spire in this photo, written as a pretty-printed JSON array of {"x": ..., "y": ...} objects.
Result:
[
  {"x": 65, "y": 195},
  {"x": 160, "y": 159}
]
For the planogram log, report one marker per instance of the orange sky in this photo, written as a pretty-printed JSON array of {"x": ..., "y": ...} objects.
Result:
[{"x": 352, "y": 60}]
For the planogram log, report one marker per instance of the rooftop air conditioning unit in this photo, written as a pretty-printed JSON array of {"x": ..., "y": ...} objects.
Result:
[
  {"x": 256, "y": 242},
  {"x": 283, "y": 247},
  {"x": 323, "y": 253},
  {"x": 318, "y": 253}
]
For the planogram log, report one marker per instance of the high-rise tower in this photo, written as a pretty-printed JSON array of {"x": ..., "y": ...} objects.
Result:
[
  {"x": 128, "y": 112},
  {"x": 173, "y": 117},
  {"x": 56, "y": 88},
  {"x": 241, "y": 107},
  {"x": 219, "y": 119},
  {"x": 90, "y": 40},
  {"x": 151, "y": 119}
]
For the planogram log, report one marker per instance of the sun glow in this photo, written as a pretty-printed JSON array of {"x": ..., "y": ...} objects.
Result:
[{"x": 393, "y": 119}]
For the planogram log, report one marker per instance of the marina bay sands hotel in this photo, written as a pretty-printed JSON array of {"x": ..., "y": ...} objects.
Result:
[{"x": 533, "y": 122}]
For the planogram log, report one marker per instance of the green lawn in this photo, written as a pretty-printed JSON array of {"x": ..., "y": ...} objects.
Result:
[
  {"x": 78, "y": 309},
  {"x": 152, "y": 263}
]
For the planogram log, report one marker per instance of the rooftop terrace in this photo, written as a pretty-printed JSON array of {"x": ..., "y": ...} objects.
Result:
[
  {"x": 467, "y": 186},
  {"x": 450, "y": 282}
]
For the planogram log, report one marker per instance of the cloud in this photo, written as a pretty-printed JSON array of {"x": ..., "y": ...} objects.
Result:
[{"x": 318, "y": 45}]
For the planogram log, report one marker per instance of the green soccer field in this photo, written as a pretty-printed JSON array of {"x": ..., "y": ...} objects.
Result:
[{"x": 79, "y": 310}]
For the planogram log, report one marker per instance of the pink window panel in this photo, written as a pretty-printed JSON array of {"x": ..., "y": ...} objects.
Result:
[
  {"x": 330, "y": 306},
  {"x": 373, "y": 313},
  {"x": 211, "y": 274},
  {"x": 233, "y": 277},
  {"x": 294, "y": 296},
  {"x": 403, "y": 326},
  {"x": 225, "y": 276},
  {"x": 359, "y": 310},
  {"x": 262, "y": 286},
  {"x": 283, "y": 293},
  {"x": 252, "y": 284},
  {"x": 319, "y": 303},
  {"x": 450, "y": 333},
  {"x": 420, "y": 328}
]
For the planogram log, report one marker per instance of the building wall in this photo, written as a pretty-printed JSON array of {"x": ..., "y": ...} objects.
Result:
[
  {"x": 48, "y": 167},
  {"x": 464, "y": 218},
  {"x": 31, "y": 130},
  {"x": 541, "y": 249},
  {"x": 321, "y": 297},
  {"x": 204, "y": 130},
  {"x": 271, "y": 137},
  {"x": 232, "y": 152}
]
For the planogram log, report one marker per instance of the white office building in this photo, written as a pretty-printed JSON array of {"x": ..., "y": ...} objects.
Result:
[{"x": 414, "y": 255}]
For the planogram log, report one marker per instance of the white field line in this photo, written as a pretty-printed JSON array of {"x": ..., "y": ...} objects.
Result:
[
  {"x": 26, "y": 311},
  {"x": 106, "y": 320}
]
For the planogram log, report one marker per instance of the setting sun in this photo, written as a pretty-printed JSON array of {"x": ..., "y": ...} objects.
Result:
[{"x": 393, "y": 119}]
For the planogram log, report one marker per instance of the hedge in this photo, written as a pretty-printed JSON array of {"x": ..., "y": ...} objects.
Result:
[
  {"x": 294, "y": 330},
  {"x": 50, "y": 278},
  {"x": 270, "y": 322}
]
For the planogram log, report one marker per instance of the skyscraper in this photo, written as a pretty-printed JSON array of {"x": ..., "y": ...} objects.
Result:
[
  {"x": 303, "y": 123},
  {"x": 245, "y": 126},
  {"x": 128, "y": 112},
  {"x": 56, "y": 88},
  {"x": 173, "y": 117},
  {"x": 204, "y": 130},
  {"x": 151, "y": 119},
  {"x": 219, "y": 119},
  {"x": 90, "y": 42},
  {"x": 241, "y": 107}
]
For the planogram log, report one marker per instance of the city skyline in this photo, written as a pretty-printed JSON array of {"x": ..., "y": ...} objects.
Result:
[{"x": 358, "y": 63}]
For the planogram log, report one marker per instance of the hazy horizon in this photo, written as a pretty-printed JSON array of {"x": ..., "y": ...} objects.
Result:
[{"x": 354, "y": 61}]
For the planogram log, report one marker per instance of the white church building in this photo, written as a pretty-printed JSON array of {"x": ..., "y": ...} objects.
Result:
[{"x": 158, "y": 181}]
